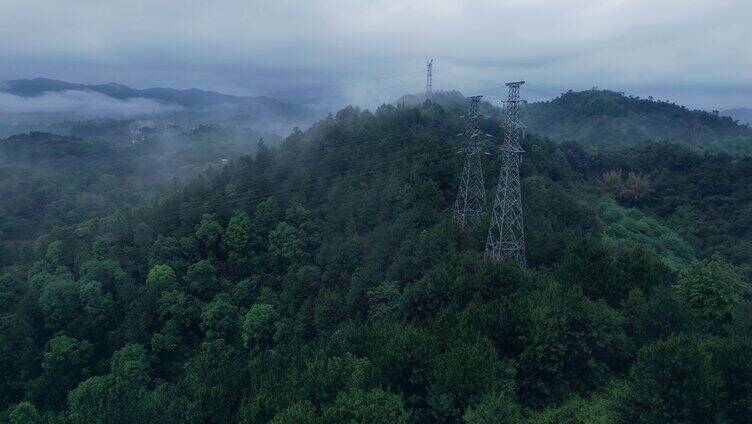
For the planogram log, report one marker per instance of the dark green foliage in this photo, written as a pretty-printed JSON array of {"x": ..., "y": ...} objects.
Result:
[
  {"x": 674, "y": 381},
  {"x": 373, "y": 406},
  {"x": 323, "y": 281},
  {"x": 24, "y": 413},
  {"x": 259, "y": 326},
  {"x": 609, "y": 119},
  {"x": 460, "y": 376},
  {"x": 577, "y": 410},
  {"x": 64, "y": 363},
  {"x": 494, "y": 408},
  {"x": 201, "y": 280},
  {"x": 704, "y": 198}
]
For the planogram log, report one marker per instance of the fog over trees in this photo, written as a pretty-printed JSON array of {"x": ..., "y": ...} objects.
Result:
[{"x": 319, "y": 277}]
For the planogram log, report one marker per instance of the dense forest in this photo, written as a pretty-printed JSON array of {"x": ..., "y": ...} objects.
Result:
[{"x": 322, "y": 281}]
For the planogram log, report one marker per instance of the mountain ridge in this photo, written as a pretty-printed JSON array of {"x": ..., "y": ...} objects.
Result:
[
  {"x": 607, "y": 119},
  {"x": 35, "y": 104},
  {"x": 185, "y": 97}
]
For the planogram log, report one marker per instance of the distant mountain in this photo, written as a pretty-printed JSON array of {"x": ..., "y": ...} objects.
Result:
[
  {"x": 117, "y": 100},
  {"x": 743, "y": 115},
  {"x": 611, "y": 119},
  {"x": 190, "y": 98}
]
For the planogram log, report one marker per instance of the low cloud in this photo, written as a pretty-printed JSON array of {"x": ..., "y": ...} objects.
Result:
[
  {"x": 263, "y": 46},
  {"x": 85, "y": 103}
]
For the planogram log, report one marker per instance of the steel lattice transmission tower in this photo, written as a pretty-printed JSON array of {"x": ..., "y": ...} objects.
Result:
[
  {"x": 506, "y": 236},
  {"x": 429, "y": 79},
  {"x": 471, "y": 197}
]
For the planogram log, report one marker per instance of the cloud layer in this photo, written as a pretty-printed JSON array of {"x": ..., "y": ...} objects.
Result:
[
  {"x": 83, "y": 103},
  {"x": 261, "y": 46}
]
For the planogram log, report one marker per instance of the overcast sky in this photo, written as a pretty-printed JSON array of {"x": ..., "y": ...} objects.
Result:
[{"x": 696, "y": 52}]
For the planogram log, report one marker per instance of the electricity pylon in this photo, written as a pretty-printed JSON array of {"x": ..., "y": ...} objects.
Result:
[
  {"x": 429, "y": 79},
  {"x": 506, "y": 235},
  {"x": 471, "y": 197}
]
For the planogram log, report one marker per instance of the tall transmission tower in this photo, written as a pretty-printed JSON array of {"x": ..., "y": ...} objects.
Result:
[
  {"x": 506, "y": 236},
  {"x": 429, "y": 79},
  {"x": 471, "y": 197}
]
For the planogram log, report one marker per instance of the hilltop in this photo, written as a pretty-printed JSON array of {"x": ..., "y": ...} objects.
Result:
[
  {"x": 607, "y": 119},
  {"x": 604, "y": 118}
]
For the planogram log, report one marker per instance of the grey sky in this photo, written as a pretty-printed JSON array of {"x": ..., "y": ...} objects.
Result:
[{"x": 692, "y": 51}]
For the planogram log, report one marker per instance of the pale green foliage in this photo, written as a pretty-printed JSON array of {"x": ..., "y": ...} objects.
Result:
[
  {"x": 630, "y": 228},
  {"x": 713, "y": 288},
  {"x": 634, "y": 188},
  {"x": 161, "y": 278}
]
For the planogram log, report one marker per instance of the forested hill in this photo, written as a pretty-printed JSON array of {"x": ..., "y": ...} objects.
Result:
[
  {"x": 605, "y": 119},
  {"x": 324, "y": 282},
  {"x": 48, "y": 180},
  {"x": 609, "y": 119}
]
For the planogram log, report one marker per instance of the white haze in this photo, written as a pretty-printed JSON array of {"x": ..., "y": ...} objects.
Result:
[
  {"x": 267, "y": 46},
  {"x": 84, "y": 103}
]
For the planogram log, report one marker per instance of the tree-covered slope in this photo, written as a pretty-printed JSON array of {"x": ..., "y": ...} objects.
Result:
[
  {"x": 48, "y": 180},
  {"x": 605, "y": 118},
  {"x": 705, "y": 197},
  {"x": 324, "y": 282}
]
